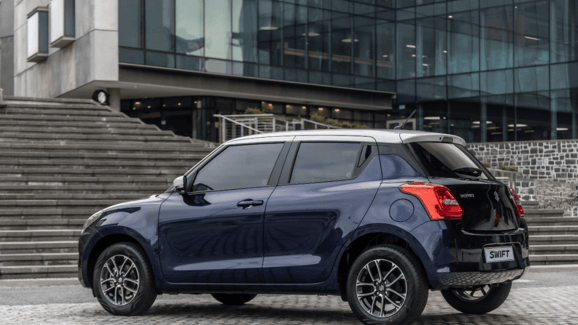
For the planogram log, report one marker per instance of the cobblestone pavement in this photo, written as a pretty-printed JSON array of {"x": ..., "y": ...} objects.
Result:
[{"x": 552, "y": 305}]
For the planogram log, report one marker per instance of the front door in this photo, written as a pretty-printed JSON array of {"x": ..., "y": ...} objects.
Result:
[{"x": 214, "y": 234}]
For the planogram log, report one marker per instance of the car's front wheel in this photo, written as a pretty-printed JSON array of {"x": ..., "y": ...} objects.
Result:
[
  {"x": 386, "y": 285},
  {"x": 123, "y": 280},
  {"x": 478, "y": 300},
  {"x": 235, "y": 299}
]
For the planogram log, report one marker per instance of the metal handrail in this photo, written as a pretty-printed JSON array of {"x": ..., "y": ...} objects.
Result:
[{"x": 235, "y": 122}]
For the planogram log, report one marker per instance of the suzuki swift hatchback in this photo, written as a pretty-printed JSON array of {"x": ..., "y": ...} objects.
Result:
[{"x": 376, "y": 217}]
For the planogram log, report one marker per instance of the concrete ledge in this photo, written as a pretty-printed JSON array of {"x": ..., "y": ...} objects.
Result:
[
  {"x": 553, "y": 268},
  {"x": 53, "y": 100},
  {"x": 38, "y": 282}
]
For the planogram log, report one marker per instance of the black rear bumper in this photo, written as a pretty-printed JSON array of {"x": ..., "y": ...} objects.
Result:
[{"x": 468, "y": 279}]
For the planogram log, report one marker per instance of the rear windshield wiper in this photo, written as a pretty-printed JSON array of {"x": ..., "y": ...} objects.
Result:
[{"x": 471, "y": 171}]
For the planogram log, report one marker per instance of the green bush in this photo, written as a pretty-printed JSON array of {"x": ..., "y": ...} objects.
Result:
[
  {"x": 329, "y": 121},
  {"x": 486, "y": 165},
  {"x": 509, "y": 169},
  {"x": 252, "y": 111}
]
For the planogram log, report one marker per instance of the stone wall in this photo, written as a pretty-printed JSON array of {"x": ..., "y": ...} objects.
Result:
[{"x": 547, "y": 170}]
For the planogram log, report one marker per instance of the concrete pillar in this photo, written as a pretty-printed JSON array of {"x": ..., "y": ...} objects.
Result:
[
  {"x": 1, "y": 97},
  {"x": 484, "y": 121},
  {"x": 114, "y": 98}
]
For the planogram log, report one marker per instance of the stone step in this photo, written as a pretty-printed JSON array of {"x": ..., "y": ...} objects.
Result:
[
  {"x": 61, "y": 111},
  {"x": 112, "y": 125},
  {"x": 553, "y": 230},
  {"x": 70, "y": 137},
  {"x": 38, "y": 259},
  {"x": 68, "y": 180},
  {"x": 552, "y": 239},
  {"x": 553, "y": 249},
  {"x": 26, "y": 272},
  {"x": 552, "y": 221},
  {"x": 564, "y": 259},
  {"x": 48, "y": 213},
  {"x": 89, "y": 172},
  {"x": 24, "y": 162},
  {"x": 64, "y": 146},
  {"x": 39, "y": 235},
  {"x": 84, "y": 188},
  {"x": 48, "y": 128},
  {"x": 72, "y": 196},
  {"x": 31, "y": 117},
  {"x": 39, "y": 247},
  {"x": 543, "y": 213},
  {"x": 41, "y": 224},
  {"x": 100, "y": 156},
  {"x": 7, "y": 204}
]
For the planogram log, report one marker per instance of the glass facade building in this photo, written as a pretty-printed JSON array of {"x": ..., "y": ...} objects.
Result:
[{"x": 486, "y": 70}]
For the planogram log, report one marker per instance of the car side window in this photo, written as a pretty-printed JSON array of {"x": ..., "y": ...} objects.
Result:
[
  {"x": 324, "y": 162},
  {"x": 238, "y": 167}
]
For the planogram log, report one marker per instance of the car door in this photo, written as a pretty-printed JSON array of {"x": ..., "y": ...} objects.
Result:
[
  {"x": 325, "y": 189},
  {"x": 214, "y": 233}
]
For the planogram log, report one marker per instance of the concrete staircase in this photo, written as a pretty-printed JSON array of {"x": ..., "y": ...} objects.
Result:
[
  {"x": 63, "y": 160},
  {"x": 553, "y": 237}
]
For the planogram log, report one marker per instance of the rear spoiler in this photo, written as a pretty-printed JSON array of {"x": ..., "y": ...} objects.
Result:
[{"x": 431, "y": 137}]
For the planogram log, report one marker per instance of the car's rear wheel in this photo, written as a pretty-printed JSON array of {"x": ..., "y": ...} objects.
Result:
[
  {"x": 123, "y": 280},
  {"x": 235, "y": 299},
  {"x": 386, "y": 285},
  {"x": 479, "y": 299}
]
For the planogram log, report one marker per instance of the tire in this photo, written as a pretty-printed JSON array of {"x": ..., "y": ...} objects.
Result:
[
  {"x": 394, "y": 263},
  {"x": 233, "y": 299},
  {"x": 489, "y": 301},
  {"x": 133, "y": 261}
]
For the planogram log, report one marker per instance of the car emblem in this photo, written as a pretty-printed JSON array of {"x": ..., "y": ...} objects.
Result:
[{"x": 497, "y": 196}]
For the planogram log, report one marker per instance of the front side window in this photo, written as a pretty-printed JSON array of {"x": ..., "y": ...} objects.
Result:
[
  {"x": 238, "y": 167},
  {"x": 324, "y": 162}
]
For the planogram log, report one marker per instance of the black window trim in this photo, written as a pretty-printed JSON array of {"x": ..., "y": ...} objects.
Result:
[
  {"x": 292, "y": 157},
  {"x": 273, "y": 178}
]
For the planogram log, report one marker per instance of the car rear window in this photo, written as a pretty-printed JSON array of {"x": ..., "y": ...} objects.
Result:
[
  {"x": 324, "y": 162},
  {"x": 448, "y": 160}
]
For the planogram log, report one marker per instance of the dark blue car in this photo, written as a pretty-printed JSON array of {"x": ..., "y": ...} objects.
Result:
[{"x": 376, "y": 217}]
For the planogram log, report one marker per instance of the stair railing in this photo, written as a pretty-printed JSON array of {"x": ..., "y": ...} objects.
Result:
[{"x": 235, "y": 126}]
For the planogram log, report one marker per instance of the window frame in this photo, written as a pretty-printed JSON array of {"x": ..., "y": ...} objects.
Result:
[
  {"x": 273, "y": 178},
  {"x": 287, "y": 172}
]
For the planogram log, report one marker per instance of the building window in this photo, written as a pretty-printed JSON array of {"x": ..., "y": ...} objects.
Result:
[
  {"x": 62, "y": 30},
  {"x": 38, "y": 34}
]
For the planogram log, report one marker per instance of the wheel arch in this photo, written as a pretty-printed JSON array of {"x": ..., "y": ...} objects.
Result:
[
  {"x": 103, "y": 244},
  {"x": 367, "y": 240}
]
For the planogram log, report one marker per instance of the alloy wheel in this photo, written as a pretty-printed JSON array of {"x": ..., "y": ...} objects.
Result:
[
  {"x": 473, "y": 294},
  {"x": 381, "y": 288},
  {"x": 119, "y": 280}
]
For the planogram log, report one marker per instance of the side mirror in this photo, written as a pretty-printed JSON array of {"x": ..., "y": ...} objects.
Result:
[{"x": 180, "y": 184}]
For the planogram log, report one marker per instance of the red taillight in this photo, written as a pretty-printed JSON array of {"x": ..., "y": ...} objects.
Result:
[
  {"x": 518, "y": 205},
  {"x": 437, "y": 200}
]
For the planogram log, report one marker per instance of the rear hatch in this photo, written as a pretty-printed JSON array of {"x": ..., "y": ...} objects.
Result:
[{"x": 487, "y": 204}]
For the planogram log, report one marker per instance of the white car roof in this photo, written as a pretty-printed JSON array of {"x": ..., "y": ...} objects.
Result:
[{"x": 380, "y": 136}]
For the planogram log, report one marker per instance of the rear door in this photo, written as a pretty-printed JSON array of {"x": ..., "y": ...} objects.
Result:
[
  {"x": 487, "y": 203},
  {"x": 326, "y": 187}
]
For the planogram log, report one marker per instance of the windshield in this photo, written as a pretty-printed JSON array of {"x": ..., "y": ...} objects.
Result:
[{"x": 449, "y": 160}]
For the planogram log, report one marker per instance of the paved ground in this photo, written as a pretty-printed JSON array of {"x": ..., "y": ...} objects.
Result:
[{"x": 543, "y": 298}]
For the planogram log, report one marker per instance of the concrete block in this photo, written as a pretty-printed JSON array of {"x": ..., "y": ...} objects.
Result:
[
  {"x": 105, "y": 55},
  {"x": 105, "y": 14},
  {"x": 7, "y": 18}
]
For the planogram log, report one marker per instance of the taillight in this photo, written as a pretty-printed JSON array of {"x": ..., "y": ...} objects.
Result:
[
  {"x": 518, "y": 205},
  {"x": 438, "y": 201}
]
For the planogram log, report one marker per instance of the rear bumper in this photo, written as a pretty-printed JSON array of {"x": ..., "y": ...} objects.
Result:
[
  {"x": 455, "y": 257},
  {"x": 468, "y": 279}
]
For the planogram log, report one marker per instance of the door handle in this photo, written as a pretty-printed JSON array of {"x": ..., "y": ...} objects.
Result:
[{"x": 245, "y": 204}]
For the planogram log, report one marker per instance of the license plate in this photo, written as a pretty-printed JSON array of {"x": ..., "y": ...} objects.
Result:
[{"x": 499, "y": 254}]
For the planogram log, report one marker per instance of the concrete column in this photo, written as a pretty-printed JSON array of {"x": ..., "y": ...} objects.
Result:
[
  {"x": 484, "y": 121},
  {"x": 114, "y": 98},
  {"x": 1, "y": 97}
]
